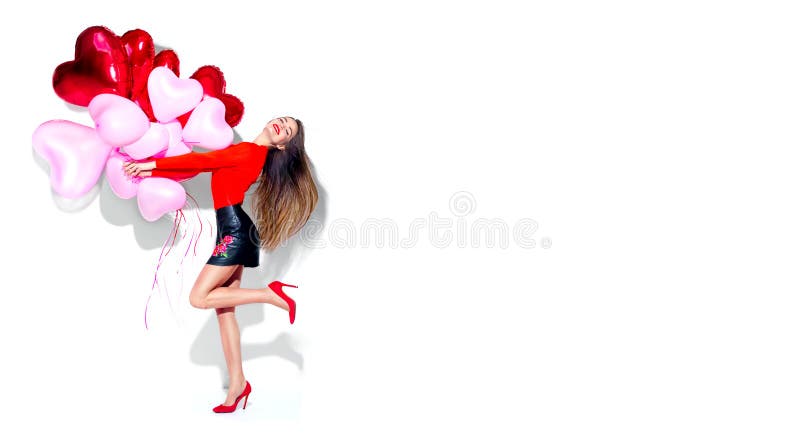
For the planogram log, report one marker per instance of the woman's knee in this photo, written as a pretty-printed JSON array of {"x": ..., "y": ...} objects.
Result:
[
  {"x": 209, "y": 279},
  {"x": 198, "y": 301}
]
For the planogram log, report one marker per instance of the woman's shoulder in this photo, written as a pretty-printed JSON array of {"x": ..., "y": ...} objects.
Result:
[
  {"x": 252, "y": 147},
  {"x": 246, "y": 144},
  {"x": 248, "y": 149}
]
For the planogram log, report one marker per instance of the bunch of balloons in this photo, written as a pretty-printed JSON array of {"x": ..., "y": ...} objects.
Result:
[{"x": 141, "y": 109}]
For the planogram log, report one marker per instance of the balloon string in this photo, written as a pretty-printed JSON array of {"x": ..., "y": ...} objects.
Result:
[
  {"x": 199, "y": 219},
  {"x": 190, "y": 242},
  {"x": 189, "y": 245},
  {"x": 193, "y": 237},
  {"x": 155, "y": 276},
  {"x": 180, "y": 218},
  {"x": 145, "y": 310},
  {"x": 178, "y": 215},
  {"x": 176, "y": 227},
  {"x": 173, "y": 234},
  {"x": 180, "y": 266}
]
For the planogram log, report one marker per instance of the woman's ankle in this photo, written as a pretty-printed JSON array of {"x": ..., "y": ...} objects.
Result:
[{"x": 236, "y": 381}]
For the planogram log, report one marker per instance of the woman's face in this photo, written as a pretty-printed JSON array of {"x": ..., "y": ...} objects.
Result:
[{"x": 279, "y": 131}]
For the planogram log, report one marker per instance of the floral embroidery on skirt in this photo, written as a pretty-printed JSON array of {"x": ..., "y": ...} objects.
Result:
[{"x": 222, "y": 248}]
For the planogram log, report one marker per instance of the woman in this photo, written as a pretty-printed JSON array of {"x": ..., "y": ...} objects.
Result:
[{"x": 285, "y": 197}]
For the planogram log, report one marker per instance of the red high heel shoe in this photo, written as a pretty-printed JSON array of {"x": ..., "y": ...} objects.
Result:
[
  {"x": 224, "y": 409},
  {"x": 276, "y": 287}
]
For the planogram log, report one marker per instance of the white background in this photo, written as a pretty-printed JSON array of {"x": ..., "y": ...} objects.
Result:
[{"x": 654, "y": 144}]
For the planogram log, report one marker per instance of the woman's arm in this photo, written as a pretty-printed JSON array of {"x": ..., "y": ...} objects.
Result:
[
  {"x": 172, "y": 173},
  {"x": 203, "y": 161},
  {"x": 190, "y": 164},
  {"x": 139, "y": 169}
]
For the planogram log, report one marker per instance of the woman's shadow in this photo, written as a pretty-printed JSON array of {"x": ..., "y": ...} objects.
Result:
[{"x": 206, "y": 348}]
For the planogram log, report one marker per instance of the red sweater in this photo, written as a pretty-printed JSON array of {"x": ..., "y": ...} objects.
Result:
[{"x": 233, "y": 169}]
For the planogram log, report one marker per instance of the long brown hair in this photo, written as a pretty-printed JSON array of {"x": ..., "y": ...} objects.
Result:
[{"x": 286, "y": 193}]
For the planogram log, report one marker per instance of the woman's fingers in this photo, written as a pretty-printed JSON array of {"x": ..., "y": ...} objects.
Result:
[
  {"x": 131, "y": 168},
  {"x": 137, "y": 169}
]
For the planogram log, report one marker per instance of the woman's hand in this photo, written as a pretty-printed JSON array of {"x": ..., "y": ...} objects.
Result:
[{"x": 133, "y": 168}]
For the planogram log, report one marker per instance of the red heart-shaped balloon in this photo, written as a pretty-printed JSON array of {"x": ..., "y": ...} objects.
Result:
[
  {"x": 213, "y": 82},
  {"x": 143, "y": 100},
  {"x": 184, "y": 118},
  {"x": 234, "y": 108},
  {"x": 211, "y": 78},
  {"x": 100, "y": 66},
  {"x": 141, "y": 52},
  {"x": 169, "y": 59},
  {"x": 141, "y": 55}
]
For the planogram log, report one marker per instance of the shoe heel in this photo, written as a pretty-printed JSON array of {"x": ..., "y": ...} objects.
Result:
[
  {"x": 245, "y": 401},
  {"x": 282, "y": 284},
  {"x": 277, "y": 287}
]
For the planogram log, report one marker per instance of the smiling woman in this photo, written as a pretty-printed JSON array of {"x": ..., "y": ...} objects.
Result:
[
  {"x": 282, "y": 124},
  {"x": 283, "y": 202}
]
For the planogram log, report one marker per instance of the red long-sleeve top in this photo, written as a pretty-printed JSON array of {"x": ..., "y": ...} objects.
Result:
[{"x": 233, "y": 169}]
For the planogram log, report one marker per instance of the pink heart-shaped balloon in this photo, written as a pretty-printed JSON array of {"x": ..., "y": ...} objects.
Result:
[
  {"x": 207, "y": 127},
  {"x": 171, "y": 96},
  {"x": 122, "y": 184},
  {"x": 119, "y": 121},
  {"x": 176, "y": 144},
  {"x": 155, "y": 140},
  {"x": 76, "y": 154},
  {"x": 178, "y": 148},
  {"x": 158, "y": 196}
]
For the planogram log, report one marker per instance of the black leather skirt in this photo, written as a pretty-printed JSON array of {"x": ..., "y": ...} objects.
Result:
[{"x": 237, "y": 239}]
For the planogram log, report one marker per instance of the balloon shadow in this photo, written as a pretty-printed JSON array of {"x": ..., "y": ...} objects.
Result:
[{"x": 76, "y": 108}]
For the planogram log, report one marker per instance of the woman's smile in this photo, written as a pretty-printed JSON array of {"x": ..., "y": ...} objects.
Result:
[{"x": 277, "y": 128}]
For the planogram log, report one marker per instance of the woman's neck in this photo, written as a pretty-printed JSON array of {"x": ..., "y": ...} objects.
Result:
[{"x": 261, "y": 140}]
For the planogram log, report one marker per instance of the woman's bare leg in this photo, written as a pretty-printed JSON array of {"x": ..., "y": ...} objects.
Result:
[
  {"x": 208, "y": 291},
  {"x": 231, "y": 343},
  {"x": 218, "y": 287}
]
